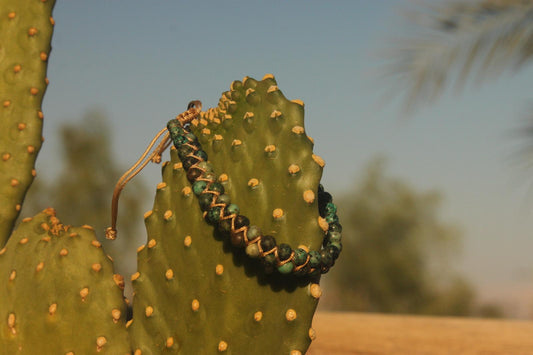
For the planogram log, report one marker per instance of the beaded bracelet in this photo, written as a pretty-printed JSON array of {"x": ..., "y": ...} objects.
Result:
[{"x": 219, "y": 211}]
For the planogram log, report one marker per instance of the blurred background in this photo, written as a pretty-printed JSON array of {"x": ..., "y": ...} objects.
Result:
[{"x": 421, "y": 110}]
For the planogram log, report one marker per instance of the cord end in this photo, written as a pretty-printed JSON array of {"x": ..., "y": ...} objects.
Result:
[{"x": 110, "y": 233}]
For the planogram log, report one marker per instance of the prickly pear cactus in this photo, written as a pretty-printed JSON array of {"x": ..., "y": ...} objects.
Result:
[
  {"x": 59, "y": 294},
  {"x": 195, "y": 293},
  {"x": 25, "y": 35}
]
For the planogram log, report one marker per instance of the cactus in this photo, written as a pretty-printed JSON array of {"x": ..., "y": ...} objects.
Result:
[
  {"x": 59, "y": 294},
  {"x": 25, "y": 34},
  {"x": 194, "y": 291},
  {"x": 198, "y": 290}
]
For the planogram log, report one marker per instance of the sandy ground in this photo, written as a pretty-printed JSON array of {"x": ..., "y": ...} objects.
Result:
[{"x": 357, "y": 333}]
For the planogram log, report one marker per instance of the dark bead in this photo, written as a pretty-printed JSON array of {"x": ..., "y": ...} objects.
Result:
[
  {"x": 267, "y": 243},
  {"x": 189, "y": 161},
  {"x": 185, "y": 150},
  {"x": 213, "y": 215},
  {"x": 224, "y": 226},
  {"x": 216, "y": 186},
  {"x": 205, "y": 201},
  {"x": 201, "y": 154},
  {"x": 335, "y": 227},
  {"x": 334, "y": 237},
  {"x": 269, "y": 260},
  {"x": 300, "y": 256},
  {"x": 314, "y": 258},
  {"x": 324, "y": 269},
  {"x": 193, "y": 174},
  {"x": 241, "y": 221},
  {"x": 326, "y": 258},
  {"x": 323, "y": 199},
  {"x": 224, "y": 199},
  {"x": 237, "y": 239},
  {"x": 284, "y": 251},
  {"x": 320, "y": 188},
  {"x": 334, "y": 250},
  {"x": 304, "y": 270}
]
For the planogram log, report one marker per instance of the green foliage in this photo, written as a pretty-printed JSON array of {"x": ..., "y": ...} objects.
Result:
[
  {"x": 399, "y": 250},
  {"x": 197, "y": 293},
  {"x": 25, "y": 35},
  {"x": 59, "y": 294}
]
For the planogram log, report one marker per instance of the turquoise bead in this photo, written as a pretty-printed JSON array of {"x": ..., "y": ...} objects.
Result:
[
  {"x": 198, "y": 187},
  {"x": 232, "y": 209},
  {"x": 213, "y": 215},
  {"x": 300, "y": 256},
  {"x": 286, "y": 268},
  {"x": 332, "y": 218},
  {"x": 330, "y": 209}
]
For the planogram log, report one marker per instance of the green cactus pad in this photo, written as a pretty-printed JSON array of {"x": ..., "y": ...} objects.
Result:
[
  {"x": 59, "y": 294},
  {"x": 25, "y": 35},
  {"x": 194, "y": 292}
]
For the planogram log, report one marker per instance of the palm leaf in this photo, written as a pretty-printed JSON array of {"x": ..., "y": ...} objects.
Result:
[{"x": 480, "y": 39}]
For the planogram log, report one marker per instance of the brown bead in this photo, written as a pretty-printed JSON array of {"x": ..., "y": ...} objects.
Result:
[{"x": 237, "y": 239}]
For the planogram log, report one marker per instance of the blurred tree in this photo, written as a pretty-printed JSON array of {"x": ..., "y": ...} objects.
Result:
[
  {"x": 81, "y": 193},
  {"x": 396, "y": 252},
  {"x": 481, "y": 38}
]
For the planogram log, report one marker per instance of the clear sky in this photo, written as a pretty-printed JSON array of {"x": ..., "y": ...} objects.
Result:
[{"x": 142, "y": 61}]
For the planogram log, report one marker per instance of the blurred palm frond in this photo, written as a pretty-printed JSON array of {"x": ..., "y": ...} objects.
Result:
[{"x": 479, "y": 38}]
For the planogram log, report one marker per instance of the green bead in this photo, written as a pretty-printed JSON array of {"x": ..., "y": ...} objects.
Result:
[
  {"x": 300, "y": 256},
  {"x": 284, "y": 251},
  {"x": 334, "y": 237},
  {"x": 213, "y": 215},
  {"x": 326, "y": 258},
  {"x": 216, "y": 186},
  {"x": 224, "y": 226},
  {"x": 286, "y": 268},
  {"x": 269, "y": 259},
  {"x": 314, "y": 259},
  {"x": 184, "y": 151},
  {"x": 231, "y": 209},
  {"x": 223, "y": 199},
  {"x": 253, "y": 232},
  {"x": 252, "y": 250},
  {"x": 332, "y": 218},
  {"x": 198, "y": 187},
  {"x": 207, "y": 167},
  {"x": 330, "y": 209},
  {"x": 205, "y": 200},
  {"x": 179, "y": 141}
]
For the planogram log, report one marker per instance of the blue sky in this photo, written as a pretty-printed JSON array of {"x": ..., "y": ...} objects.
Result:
[{"x": 141, "y": 62}]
